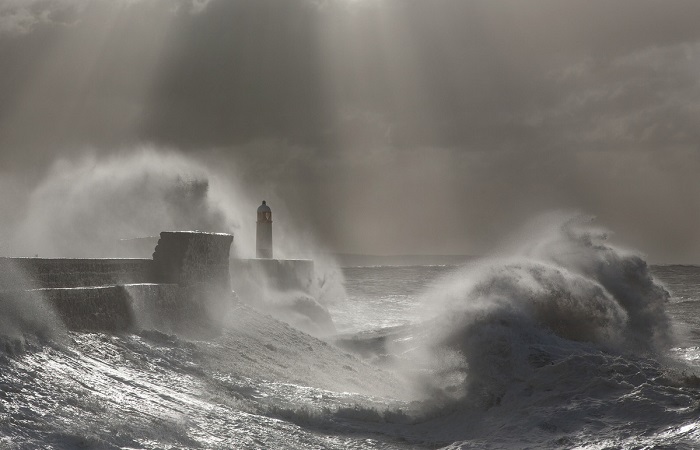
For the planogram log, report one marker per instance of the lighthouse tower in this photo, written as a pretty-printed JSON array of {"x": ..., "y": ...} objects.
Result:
[{"x": 263, "y": 236}]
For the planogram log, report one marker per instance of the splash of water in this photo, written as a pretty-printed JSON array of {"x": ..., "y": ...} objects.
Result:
[
  {"x": 26, "y": 318},
  {"x": 563, "y": 290},
  {"x": 84, "y": 207}
]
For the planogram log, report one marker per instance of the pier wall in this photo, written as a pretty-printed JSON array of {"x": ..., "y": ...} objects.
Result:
[
  {"x": 118, "y": 294},
  {"x": 36, "y": 273},
  {"x": 188, "y": 258}
]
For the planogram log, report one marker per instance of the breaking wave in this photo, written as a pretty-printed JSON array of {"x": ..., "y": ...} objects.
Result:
[
  {"x": 27, "y": 320},
  {"x": 559, "y": 341},
  {"x": 537, "y": 343}
]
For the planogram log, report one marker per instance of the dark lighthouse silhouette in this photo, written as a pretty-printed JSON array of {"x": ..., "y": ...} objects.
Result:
[{"x": 263, "y": 236}]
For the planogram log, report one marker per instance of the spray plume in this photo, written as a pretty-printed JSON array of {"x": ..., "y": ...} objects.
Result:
[
  {"x": 84, "y": 207},
  {"x": 562, "y": 289}
]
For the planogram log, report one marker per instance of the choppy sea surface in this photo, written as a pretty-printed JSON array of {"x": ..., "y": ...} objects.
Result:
[{"x": 569, "y": 344}]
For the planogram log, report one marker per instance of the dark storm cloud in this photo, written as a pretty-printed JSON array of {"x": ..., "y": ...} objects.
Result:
[
  {"x": 447, "y": 73},
  {"x": 238, "y": 71},
  {"x": 18, "y": 17},
  {"x": 388, "y": 112},
  {"x": 438, "y": 73}
]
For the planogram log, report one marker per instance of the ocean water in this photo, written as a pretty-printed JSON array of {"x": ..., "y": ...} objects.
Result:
[
  {"x": 566, "y": 342},
  {"x": 384, "y": 296}
]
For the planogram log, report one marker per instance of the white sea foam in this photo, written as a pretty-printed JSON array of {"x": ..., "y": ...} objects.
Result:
[
  {"x": 565, "y": 284},
  {"x": 559, "y": 344},
  {"x": 25, "y": 319},
  {"x": 547, "y": 344}
]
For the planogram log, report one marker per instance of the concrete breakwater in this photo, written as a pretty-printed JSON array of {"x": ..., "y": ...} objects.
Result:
[
  {"x": 121, "y": 294},
  {"x": 36, "y": 273}
]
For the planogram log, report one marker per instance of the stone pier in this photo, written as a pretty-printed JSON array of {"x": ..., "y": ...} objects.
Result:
[{"x": 125, "y": 293}]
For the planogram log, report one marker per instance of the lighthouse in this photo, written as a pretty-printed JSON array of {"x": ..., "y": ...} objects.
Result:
[{"x": 263, "y": 236}]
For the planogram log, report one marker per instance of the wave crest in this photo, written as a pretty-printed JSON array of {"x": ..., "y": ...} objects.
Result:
[{"x": 565, "y": 290}]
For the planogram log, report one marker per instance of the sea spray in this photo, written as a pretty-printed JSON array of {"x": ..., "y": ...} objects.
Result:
[
  {"x": 501, "y": 319},
  {"x": 85, "y": 206},
  {"x": 264, "y": 384},
  {"x": 559, "y": 341},
  {"x": 300, "y": 303},
  {"x": 26, "y": 318},
  {"x": 582, "y": 248}
]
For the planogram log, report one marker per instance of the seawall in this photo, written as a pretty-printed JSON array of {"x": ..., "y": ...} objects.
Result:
[
  {"x": 36, "y": 273},
  {"x": 115, "y": 294}
]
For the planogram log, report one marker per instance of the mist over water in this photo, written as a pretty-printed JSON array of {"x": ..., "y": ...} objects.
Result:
[
  {"x": 387, "y": 127},
  {"x": 561, "y": 287},
  {"x": 522, "y": 348},
  {"x": 556, "y": 325},
  {"x": 84, "y": 206},
  {"x": 25, "y": 320}
]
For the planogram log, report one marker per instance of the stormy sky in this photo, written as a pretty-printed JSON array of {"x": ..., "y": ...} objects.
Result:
[{"x": 382, "y": 126}]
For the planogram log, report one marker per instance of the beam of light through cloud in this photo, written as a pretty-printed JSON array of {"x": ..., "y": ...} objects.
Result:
[{"x": 357, "y": 115}]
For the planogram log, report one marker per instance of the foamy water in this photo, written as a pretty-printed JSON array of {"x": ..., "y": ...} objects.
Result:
[{"x": 569, "y": 343}]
